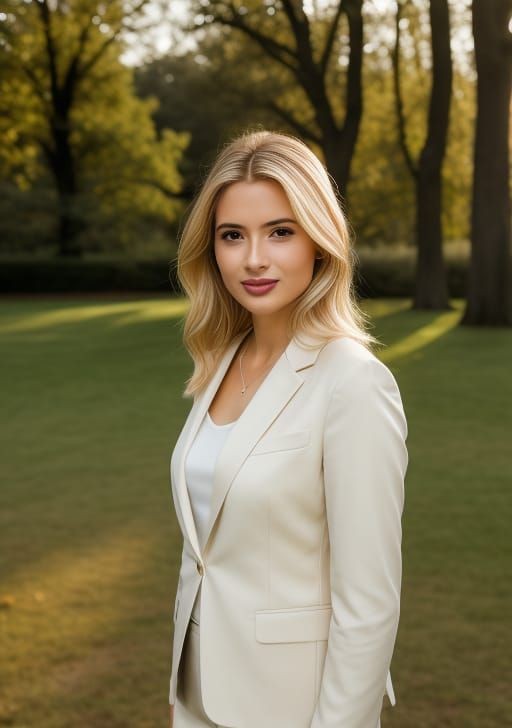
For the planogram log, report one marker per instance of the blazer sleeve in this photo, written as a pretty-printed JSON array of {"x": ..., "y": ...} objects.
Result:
[{"x": 365, "y": 461}]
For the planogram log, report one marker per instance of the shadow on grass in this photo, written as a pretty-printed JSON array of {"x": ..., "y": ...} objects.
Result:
[{"x": 91, "y": 542}]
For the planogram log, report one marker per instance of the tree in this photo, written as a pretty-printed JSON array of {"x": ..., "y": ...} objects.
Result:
[
  {"x": 230, "y": 102},
  {"x": 306, "y": 49},
  {"x": 381, "y": 195},
  {"x": 431, "y": 289},
  {"x": 489, "y": 300},
  {"x": 63, "y": 87}
]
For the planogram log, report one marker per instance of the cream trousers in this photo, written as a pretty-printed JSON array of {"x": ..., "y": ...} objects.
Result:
[{"x": 188, "y": 708}]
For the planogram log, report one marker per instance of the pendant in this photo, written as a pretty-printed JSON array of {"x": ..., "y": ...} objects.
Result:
[{"x": 243, "y": 390}]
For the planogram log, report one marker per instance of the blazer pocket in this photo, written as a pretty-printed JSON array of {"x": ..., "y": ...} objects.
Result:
[
  {"x": 285, "y": 441},
  {"x": 302, "y": 624}
]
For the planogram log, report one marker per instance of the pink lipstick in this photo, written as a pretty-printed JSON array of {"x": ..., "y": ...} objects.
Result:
[{"x": 259, "y": 286}]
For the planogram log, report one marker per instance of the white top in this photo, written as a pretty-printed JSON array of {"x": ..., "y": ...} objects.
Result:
[{"x": 199, "y": 471}]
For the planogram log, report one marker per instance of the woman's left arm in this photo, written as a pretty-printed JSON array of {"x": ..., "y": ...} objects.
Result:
[{"x": 365, "y": 461}]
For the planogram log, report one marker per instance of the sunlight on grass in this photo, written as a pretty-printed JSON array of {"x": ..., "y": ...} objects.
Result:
[
  {"x": 68, "y": 621},
  {"x": 75, "y": 590},
  {"x": 378, "y": 307},
  {"x": 157, "y": 310},
  {"x": 120, "y": 313},
  {"x": 411, "y": 346},
  {"x": 91, "y": 545}
]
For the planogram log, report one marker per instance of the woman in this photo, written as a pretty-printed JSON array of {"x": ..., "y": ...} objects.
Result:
[{"x": 288, "y": 475}]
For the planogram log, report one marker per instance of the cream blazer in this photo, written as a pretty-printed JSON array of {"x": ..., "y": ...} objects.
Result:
[{"x": 301, "y": 565}]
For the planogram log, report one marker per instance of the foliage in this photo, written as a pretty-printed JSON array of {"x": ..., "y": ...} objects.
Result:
[
  {"x": 62, "y": 75},
  {"x": 380, "y": 190}
]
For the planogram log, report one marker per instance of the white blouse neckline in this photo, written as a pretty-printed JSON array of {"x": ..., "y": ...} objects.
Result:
[{"x": 220, "y": 427}]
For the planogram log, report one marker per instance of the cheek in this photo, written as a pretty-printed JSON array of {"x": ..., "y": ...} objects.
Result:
[
  {"x": 299, "y": 266},
  {"x": 226, "y": 260}
]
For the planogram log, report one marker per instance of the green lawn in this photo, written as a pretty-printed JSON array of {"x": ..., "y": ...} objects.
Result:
[{"x": 90, "y": 546}]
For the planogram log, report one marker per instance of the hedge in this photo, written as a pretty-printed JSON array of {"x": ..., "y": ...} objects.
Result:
[{"x": 379, "y": 273}]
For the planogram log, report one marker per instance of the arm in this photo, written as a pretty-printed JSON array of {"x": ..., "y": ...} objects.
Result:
[{"x": 365, "y": 460}]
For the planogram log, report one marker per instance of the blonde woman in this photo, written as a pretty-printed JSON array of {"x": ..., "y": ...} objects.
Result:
[{"x": 288, "y": 475}]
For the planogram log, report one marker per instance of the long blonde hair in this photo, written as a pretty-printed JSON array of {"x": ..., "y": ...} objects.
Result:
[{"x": 327, "y": 309}]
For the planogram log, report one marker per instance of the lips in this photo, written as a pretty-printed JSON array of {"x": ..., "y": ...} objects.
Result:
[
  {"x": 259, "y": 281},
  {"x": 259, "y": 287}
]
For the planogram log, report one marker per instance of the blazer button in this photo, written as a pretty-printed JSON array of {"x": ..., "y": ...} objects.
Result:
[{"x": 200, "y": 567}]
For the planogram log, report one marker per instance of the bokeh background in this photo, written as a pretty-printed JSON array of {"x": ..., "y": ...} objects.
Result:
[{"x": 110, "y": 114}]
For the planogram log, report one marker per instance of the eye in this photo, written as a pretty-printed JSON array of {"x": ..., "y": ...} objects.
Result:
[
  {"x": 283, "y": 230},
  {"x": 286, "y": 232},
  {"x": 224, "y": 236}
]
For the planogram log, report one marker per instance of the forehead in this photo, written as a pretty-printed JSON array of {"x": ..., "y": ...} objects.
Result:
[{"x": 251, "y": 201}]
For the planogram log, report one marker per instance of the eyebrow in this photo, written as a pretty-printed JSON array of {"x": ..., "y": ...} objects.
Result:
[{"x": 265, "y": 224}]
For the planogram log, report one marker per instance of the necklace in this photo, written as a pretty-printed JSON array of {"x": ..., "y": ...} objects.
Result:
[{"x": 244, "y": 385}]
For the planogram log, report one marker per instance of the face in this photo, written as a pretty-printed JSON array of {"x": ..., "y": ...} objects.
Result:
[{"x": 257, "y": 237}]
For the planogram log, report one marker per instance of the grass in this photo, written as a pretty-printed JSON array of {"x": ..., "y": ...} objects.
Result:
[{"x": 90, "y": 545}]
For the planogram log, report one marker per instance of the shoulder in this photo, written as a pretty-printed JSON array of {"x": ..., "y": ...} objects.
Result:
[
  {"x": 347, "y": 360},
  {"x": 356, "y": 375},
  {"x": 362, "y": 390}
]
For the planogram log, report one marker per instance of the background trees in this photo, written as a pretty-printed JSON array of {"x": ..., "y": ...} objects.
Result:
[
  {"x": 431, "y": 289},
  {"x": 71, "y": 115},
  {"x": 490, "y": 272},
  {"x": 101, "y": 156}
]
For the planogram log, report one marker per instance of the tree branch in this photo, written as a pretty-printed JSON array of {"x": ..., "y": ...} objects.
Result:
[
  {"x": 331, "y": 35},
  {"x": 35, "y": 82},
  {"x": 395, "y": 57},
  {"x": 104, "y": 46},
  {"x": 98, "y": 54},
  {"x": 304, "y": 131},
  {"x": 279, "y": 51},
  {"x": 299, "y": 23},
  {"x": 44, "y": 12}
]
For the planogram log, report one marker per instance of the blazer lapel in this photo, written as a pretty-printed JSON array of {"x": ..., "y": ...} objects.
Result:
[
  {"x": 279, "y": 386},
  {"x": 195, "y": 418}
]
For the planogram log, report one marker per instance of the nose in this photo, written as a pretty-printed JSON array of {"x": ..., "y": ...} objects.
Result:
[{"x": 257, "y": 254}]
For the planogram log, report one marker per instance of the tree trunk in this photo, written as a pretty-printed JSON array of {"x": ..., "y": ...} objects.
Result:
[
  {"x": 339, "y": 144},
  {"x": 431, "y": 289},
  {"x": 337, "y": 141},
  {"x": 489, "y": 297},
  {"x": 63, "y": 168},
  {"x": 431, "y": 286}
]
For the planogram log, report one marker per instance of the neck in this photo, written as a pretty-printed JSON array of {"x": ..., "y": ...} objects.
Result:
[{"x": 265, "y": 343}]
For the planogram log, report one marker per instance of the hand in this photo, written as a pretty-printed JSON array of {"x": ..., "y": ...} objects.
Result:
[{"x": 171, "y": 719}]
